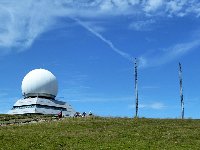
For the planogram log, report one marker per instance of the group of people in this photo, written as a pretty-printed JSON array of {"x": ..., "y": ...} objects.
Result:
[
  {"x": 77, "y": 114},
  {"x": 84, "y": 114}
]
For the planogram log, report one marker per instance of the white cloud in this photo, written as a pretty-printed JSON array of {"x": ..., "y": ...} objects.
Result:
[
  {"x": 153, "y": 5},
  {"x": 95, "y": 25},
  {"x": 106, "y": 6},
  {"x": 144, "y": 25},
  {"x": 154, "y": 105},
  {"x": 175, "y": 7},
  {"x": 22, "y": 23},
  {"x": 157, "y": 105},
  {"x": 98, "y": 29},
  {"x": 168, "y": 54},
  {"x": 106, "y": 41},
  {"x": 195, "y": 9},
  {"x": 142, "y": 61},
  {"x": 25, "y": 20}
]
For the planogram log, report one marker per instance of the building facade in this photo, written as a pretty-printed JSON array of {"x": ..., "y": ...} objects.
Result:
[{"x": 39, "y": 88}]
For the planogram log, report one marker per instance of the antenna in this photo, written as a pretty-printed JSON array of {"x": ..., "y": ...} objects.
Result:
[
  {"x": 181, "y": 91},
  {"x": 136, "y": 90}
]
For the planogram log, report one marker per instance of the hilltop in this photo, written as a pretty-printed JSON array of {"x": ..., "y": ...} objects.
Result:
[{"x": 101, "y": 133}]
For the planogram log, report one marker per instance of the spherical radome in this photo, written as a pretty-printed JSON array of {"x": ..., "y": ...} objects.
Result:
[{"x": 40, "y": 82}]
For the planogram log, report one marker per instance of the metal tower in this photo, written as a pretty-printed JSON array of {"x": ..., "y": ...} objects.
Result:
[
  {"x": 136, "y": 90},
  {"x": 181, "y": 91}
]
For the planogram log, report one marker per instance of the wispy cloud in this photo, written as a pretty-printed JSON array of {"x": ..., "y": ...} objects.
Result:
[
  {"x": 153, "y": 5},
  {"x": 168, "y": 54},
  {"x": 106, "y": 41},
  {"x": 19, "y": 29},
  {"x": 154, "y": 105},
  {"x": 144, "y": 25}
]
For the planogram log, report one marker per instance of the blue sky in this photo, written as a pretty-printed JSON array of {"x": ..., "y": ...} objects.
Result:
[{"x": 89, "y": 46}]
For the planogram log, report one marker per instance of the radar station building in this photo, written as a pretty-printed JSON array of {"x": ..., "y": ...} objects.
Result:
[{"x": 39, "y": 89}]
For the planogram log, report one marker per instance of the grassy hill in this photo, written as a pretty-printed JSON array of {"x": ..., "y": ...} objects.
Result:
[{"x": 102, "y": 133}]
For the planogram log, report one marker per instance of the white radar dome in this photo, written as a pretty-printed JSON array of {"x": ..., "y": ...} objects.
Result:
[{"x": 40, "y": 82}]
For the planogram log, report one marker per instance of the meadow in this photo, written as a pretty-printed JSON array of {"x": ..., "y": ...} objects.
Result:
[{"x": 100, "y": 133}]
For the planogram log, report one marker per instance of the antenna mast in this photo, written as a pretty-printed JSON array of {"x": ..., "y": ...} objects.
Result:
[
  {"x": 136, "y": 90},
  {"x": 181, "y": 91}
]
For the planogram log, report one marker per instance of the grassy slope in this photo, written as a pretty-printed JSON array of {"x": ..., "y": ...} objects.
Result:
[{"x": 103, "y": 133}]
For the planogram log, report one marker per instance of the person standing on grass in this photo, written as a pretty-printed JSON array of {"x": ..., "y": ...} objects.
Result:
[
  {"x": 60, "y": 114},
  {"x": 84, "y": 114},
  {"x": 90, "y": 113}
]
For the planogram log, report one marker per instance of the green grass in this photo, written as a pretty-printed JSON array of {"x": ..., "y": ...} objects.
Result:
[
  {"x": 13, "y": 119},
  {"x": 103, "y": 133}
]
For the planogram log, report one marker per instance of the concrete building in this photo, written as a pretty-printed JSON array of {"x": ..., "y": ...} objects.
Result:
[{"x": 39, "y": 89}]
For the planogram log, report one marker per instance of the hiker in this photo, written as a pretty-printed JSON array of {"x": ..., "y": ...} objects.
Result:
[
  {"x": 90, "y": 113},
  {"x": 84, "y": 114},
  {"x": 60, "y": 114},
  {"x": 77, "y": 114}
]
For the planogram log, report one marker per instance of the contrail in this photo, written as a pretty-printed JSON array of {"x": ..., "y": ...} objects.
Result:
[{"x": 109, "y": 43}]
